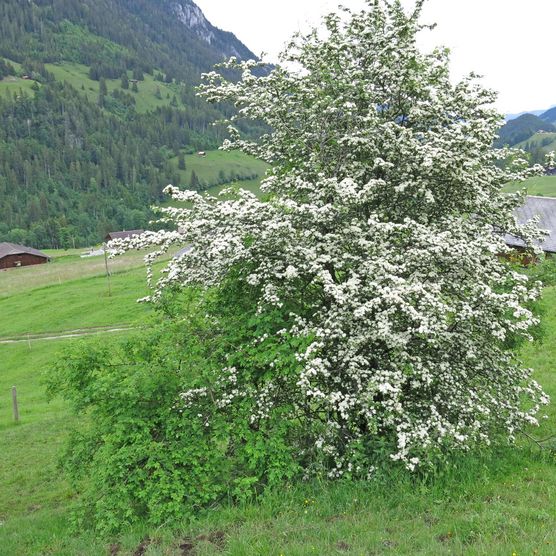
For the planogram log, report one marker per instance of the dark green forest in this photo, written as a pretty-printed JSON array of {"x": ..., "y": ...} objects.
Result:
[{"x": 72, "y": 169}]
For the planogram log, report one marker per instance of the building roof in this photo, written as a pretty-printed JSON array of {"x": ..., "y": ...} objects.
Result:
[
  {"x": 7, "y": 249},
  {"x": 545, "y": 209},
  {"x": 183, "y": 252},
  {"x": 124, "y": 234}
]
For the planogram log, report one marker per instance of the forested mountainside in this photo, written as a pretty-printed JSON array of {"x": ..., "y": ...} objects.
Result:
[
  {"x": 97, "y": 98},
  {"x": 549, "y": 116},
  {"x": 532, "y": 133},
  {"x": 522, "y": 128},
  {"x": 114, "y": 35}
]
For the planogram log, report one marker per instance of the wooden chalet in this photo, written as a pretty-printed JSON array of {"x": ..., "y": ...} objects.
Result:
[
  {"x": 122, "y": 235},
  {"x": 14, "y": 256}
]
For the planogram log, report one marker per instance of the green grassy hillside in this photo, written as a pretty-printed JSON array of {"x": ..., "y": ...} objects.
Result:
[
  {"x": 151, "y": 94},
  {"x": 541, "y": 185},
  {"x": 545, "y": 141},
  {"x": 14, "y": 83},
  {"x": 77, "y": 75},
  {"x": 76, "y": 304},
  {"x": 64, "y": 266},
  {"x": 223, "y": 167},
  {"x": 492, "y": 504},
  {"x": 72, "y": 293}
]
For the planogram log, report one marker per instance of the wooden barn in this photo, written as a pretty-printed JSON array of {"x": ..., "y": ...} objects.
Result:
[
  {"x": 122, "y": 235},
  {"x": 545, "y": 209},
  {"x": 13, "y": 256}
]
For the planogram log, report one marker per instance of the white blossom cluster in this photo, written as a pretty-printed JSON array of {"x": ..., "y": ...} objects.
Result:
[{"x": 383, "y": 221}]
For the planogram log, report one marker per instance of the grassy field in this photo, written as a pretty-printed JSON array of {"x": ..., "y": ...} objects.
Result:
[
  {"x": 544, "y": 186},
  {"x": 500, "y": 503},
  {"x": 216, "y": 164},
  {"x": 249, "y": 185},
  {"x": 77, "y": 304},
  {"x": 15, "y": 85},
  {"x": 545, "y": 141},
  {"x": 64, "y": 266},
  {"x": 77, "y": 75},
  {"x": 71, "y": 293}
]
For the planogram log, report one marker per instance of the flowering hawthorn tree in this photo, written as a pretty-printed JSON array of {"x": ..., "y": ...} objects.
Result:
[{"x": 373, "y": 261}]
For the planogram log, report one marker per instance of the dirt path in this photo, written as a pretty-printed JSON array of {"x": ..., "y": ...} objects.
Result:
[{"x": 65, "y": 334}]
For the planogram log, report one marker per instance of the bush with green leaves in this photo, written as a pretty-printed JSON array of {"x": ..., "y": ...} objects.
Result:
[
  {"x": 142, "y": 450},
  {"x": 135, "y": 453}
]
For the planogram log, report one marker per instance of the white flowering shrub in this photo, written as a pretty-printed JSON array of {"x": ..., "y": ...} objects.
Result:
[{"x": 365, "y": 308}]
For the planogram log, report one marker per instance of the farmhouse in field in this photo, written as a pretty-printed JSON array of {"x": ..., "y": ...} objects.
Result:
[
  {"x": 545, "y": 209},
  {"x": 122, "y": 235},
  {"x": 13, "y": 256}
]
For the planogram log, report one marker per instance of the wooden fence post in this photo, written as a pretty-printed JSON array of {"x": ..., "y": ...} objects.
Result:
[
  {"x": 14, "y": 401},
  {"x": 107, "y": 270}
]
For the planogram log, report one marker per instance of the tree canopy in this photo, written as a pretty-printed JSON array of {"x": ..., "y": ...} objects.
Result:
[{"x": 377, "y": 246}]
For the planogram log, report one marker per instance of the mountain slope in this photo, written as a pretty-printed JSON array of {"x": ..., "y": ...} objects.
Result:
[
  {"x": 171, "y": 35},
  {"x": 510, "y": 117},
  {"x": 521, "y": 129},
  {"x": 549, "y": 116},
  {"x": 97, "y": 100}
]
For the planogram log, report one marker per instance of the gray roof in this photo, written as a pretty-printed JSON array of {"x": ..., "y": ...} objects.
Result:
[
  {"x": 545, "y": 209},
  {"x": 183, "y": 252},
  {"x": 14, "y": 249},
  {"x": 124, "y": 235}
]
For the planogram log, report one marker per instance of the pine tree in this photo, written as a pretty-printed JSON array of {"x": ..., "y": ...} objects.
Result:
[
  {"x": 194, "y": 182},
  {"x": 102, "y": 92}
]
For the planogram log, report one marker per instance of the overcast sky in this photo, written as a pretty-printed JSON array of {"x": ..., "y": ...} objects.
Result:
[{"x": 510, "y": 42}]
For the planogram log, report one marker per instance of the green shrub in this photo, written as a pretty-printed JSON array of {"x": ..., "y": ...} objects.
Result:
[{"x": 141, "y": 451}]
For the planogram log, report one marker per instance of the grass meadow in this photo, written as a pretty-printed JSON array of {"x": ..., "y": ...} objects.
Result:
[
  {"x": 544, "y": 186},
  {"x": 210, "y": 168},
  {"x": 64, "y": 267},
  {"x": 77, "y": 75},
  {"x": 77, "y": 304},
  {"x": 146, "y": 99},
  {"x": 546, "y": 141},
  {"x": 499, "y": 502},
  {"x": 15, "y": 85}
]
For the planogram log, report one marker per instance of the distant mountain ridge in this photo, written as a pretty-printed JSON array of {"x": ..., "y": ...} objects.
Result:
[
  {"x": 532, "y": 132},
  {"x": 510, "y": 117},
  {"x": 549, "y": 116}
]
